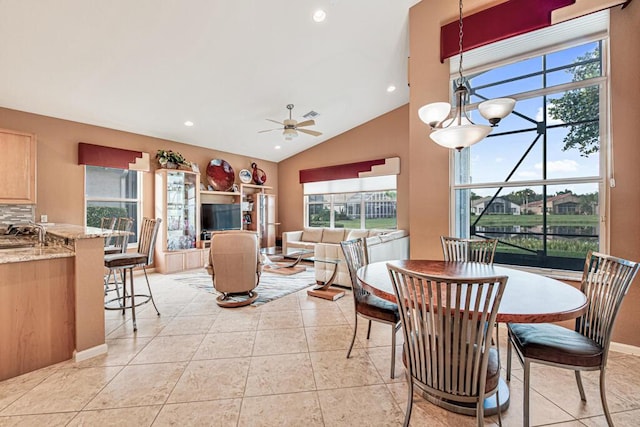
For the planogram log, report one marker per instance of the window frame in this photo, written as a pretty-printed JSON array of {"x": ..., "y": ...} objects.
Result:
[
  {"x": 332, "y": 204},
  {"x": 605, "y": 154},
  {"x": 138, "y": 200}
]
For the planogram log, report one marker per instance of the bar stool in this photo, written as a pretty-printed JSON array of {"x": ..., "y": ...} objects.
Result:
[
  {"x": 116, "y": 244},
  {"x": 128, "y": 261}
]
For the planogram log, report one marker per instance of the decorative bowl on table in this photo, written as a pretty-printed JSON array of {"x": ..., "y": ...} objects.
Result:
[{"x": 220, "y": 175}]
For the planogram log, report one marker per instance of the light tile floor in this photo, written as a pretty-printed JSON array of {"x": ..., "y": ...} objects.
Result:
[{"x": 280, "y": 364}]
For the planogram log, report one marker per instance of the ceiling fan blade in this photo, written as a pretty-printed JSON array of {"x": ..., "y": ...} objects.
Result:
[
  {"x": 274, "y": 121},
  {"x": 306, "y": 123},
  {"x": 310, "y": 132},
  {"x": 267, "y": 130}
]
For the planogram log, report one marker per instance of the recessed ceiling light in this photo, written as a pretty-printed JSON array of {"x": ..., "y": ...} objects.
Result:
[
  {"x": 277, "y": 147},
  {"x": 319, "y": 15},
  {"x": 188, "y": 123},
  {"x": 391, "y": 88}
]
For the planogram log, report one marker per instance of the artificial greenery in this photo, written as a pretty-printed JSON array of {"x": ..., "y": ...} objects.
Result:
[{"x": 169, "y": 156}]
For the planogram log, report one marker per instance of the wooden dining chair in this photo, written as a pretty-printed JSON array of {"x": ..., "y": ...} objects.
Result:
[
  {"x": 447, "y": 346},
  {"x": 605, "y": 282},
  {"x": 366, "y": 305},
  {"x": 468, "y": 250}
]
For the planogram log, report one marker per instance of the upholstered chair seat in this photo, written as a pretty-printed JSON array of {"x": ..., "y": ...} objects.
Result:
[{"x": 555, "y": 344}]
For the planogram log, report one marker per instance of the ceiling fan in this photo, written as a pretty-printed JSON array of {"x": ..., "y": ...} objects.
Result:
[{"x": 292, "y": 127}]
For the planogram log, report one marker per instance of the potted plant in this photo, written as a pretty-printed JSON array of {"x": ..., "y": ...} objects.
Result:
[{"x": 171, "y": 159}]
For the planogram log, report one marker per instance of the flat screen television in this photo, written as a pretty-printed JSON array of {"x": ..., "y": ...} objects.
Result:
[{"x": 220, "y": 216}]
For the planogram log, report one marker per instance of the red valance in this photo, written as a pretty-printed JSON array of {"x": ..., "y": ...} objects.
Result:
[
  {"x": 505, "y": 20},
  {"x": 109, "y": 157},
  {"x": 389, "y": 166}
]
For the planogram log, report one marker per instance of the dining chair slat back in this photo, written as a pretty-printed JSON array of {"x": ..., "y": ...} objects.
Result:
[
  {"x": 468, "y": 250},
  {"x": 448, "y": 350},
  {"x": 605, "y": 282}
]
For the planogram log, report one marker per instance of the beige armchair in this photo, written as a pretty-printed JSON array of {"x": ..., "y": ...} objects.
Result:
[{"x": 234, "y": 265}]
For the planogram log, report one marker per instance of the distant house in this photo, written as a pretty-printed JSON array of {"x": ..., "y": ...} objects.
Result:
[
  {"x": 498, "y": 206},
  {"x": 376, "y": 205},
  {"x": 562, "y": 204}
]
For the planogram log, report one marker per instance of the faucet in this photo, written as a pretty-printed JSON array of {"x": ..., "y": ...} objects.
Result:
[{"x": 42, "y": 232}]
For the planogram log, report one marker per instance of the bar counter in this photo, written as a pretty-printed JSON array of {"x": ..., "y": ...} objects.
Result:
[{"x": 52, "y": 300}]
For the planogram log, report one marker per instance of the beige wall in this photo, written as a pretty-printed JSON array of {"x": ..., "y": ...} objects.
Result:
[
  {"x": 60, "y": 180},
  {"x": 385, "y": 136}
]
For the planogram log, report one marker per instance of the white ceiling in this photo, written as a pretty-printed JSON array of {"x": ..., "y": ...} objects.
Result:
[{"x": 147, "y": 66}]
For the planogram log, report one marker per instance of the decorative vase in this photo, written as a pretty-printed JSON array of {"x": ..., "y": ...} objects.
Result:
[
  {"x": 171, "y": 165},
  {"x": 259, "y": 177}
]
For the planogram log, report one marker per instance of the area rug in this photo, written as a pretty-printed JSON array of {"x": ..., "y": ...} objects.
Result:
[
  {"x": 279, "y": 268},
  {"x": 271, "y": 286}
]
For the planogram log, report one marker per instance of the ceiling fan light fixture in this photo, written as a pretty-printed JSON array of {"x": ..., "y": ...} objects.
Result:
[{"x": 289, "y": 134}]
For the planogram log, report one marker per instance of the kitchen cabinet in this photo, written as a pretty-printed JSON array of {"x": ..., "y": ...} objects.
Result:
[{"x": 18, "y": 165}]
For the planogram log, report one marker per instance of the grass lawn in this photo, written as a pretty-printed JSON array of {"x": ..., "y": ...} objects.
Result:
[{"x": 533, "y": 220}]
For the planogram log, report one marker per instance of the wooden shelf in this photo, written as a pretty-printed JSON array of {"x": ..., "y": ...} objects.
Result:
[
  {"x": 220, "y": 193},
  {"x": 258, "y": 187}
]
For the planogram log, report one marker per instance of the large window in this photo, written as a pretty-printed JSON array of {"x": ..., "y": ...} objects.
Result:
[
  {"x": 352, "y": 203},
  {"x": 537, "y": 182},
  {"x": 352, "y": 210},
  {"x": 112, "y": 193}
]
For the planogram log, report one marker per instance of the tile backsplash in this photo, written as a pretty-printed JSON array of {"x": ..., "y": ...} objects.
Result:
[{"x": 16, "y": 214}]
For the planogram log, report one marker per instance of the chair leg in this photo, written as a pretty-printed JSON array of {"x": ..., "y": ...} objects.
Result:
[
  {"x": 603, "y": 397},
  {"x": 149, "y": 288},
  {"x": 407, "y": 414},
  {"x": 353, "y": 338},
  {"x": 525, "y": 393},
  {"x": 369, "y": 329},
  {"x": 480, "y": 413},
  {"x": 498, "y": 407},
  {"x": 393, "y": 350},
  {"x": 509, "y": 349},
  {"x": 133, "y": 296},
  {"x": 580, "y": 388}
]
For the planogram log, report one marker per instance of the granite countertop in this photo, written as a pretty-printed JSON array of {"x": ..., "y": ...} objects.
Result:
[
  {"x": 59, "y": 243},
  {"x": 34, "y": 253},
  {"x": 74, "y": 232}
]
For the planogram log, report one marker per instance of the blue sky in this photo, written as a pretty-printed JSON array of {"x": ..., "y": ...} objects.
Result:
[{"x": 493, "y": 158}]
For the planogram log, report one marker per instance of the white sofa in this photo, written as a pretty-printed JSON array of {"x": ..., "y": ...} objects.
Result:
[{"x": 382, "y": 245}]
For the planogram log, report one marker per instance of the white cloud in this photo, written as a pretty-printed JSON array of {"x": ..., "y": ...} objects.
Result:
[
  {"x": 550, "y": 120},
  {"x": 560, "y": 166},
  {"x": 528, "y": 174},
  {"x": 499, "y": 159}
]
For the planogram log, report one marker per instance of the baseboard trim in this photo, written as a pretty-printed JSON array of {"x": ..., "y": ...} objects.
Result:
[
  {"x": 625, "y": 348},
  {"x": 89, "y": 353}
]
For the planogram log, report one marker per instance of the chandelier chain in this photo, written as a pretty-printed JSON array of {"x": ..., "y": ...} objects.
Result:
[{"x": 460, "y": 43}]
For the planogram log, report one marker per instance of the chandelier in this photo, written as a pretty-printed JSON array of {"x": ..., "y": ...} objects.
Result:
[{"x": 457, "y": 130}]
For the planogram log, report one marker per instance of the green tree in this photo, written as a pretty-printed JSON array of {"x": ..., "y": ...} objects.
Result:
[{"x": 579, "y": 105}]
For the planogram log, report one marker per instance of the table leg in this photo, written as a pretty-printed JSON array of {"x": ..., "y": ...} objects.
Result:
[
  {"x": 322, "y": 290},
  {"x": 490, "y": 405}
]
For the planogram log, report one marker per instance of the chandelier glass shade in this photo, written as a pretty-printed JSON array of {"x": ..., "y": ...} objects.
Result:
[{"x": 455, "y": 129}]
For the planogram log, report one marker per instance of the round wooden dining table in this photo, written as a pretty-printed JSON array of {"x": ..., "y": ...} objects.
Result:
[{"x": 527, "y": 298}]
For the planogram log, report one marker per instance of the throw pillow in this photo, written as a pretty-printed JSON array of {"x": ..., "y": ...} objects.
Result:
[
  {"x": 332, "y": 235},
  {"x": 312, "y": 234}
]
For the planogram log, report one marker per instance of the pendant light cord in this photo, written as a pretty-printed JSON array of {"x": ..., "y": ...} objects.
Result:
[{"x": 460, "y": 44}]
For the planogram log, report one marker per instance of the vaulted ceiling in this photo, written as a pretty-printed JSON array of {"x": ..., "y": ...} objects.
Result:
[{"x": 148, "y": 66}]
